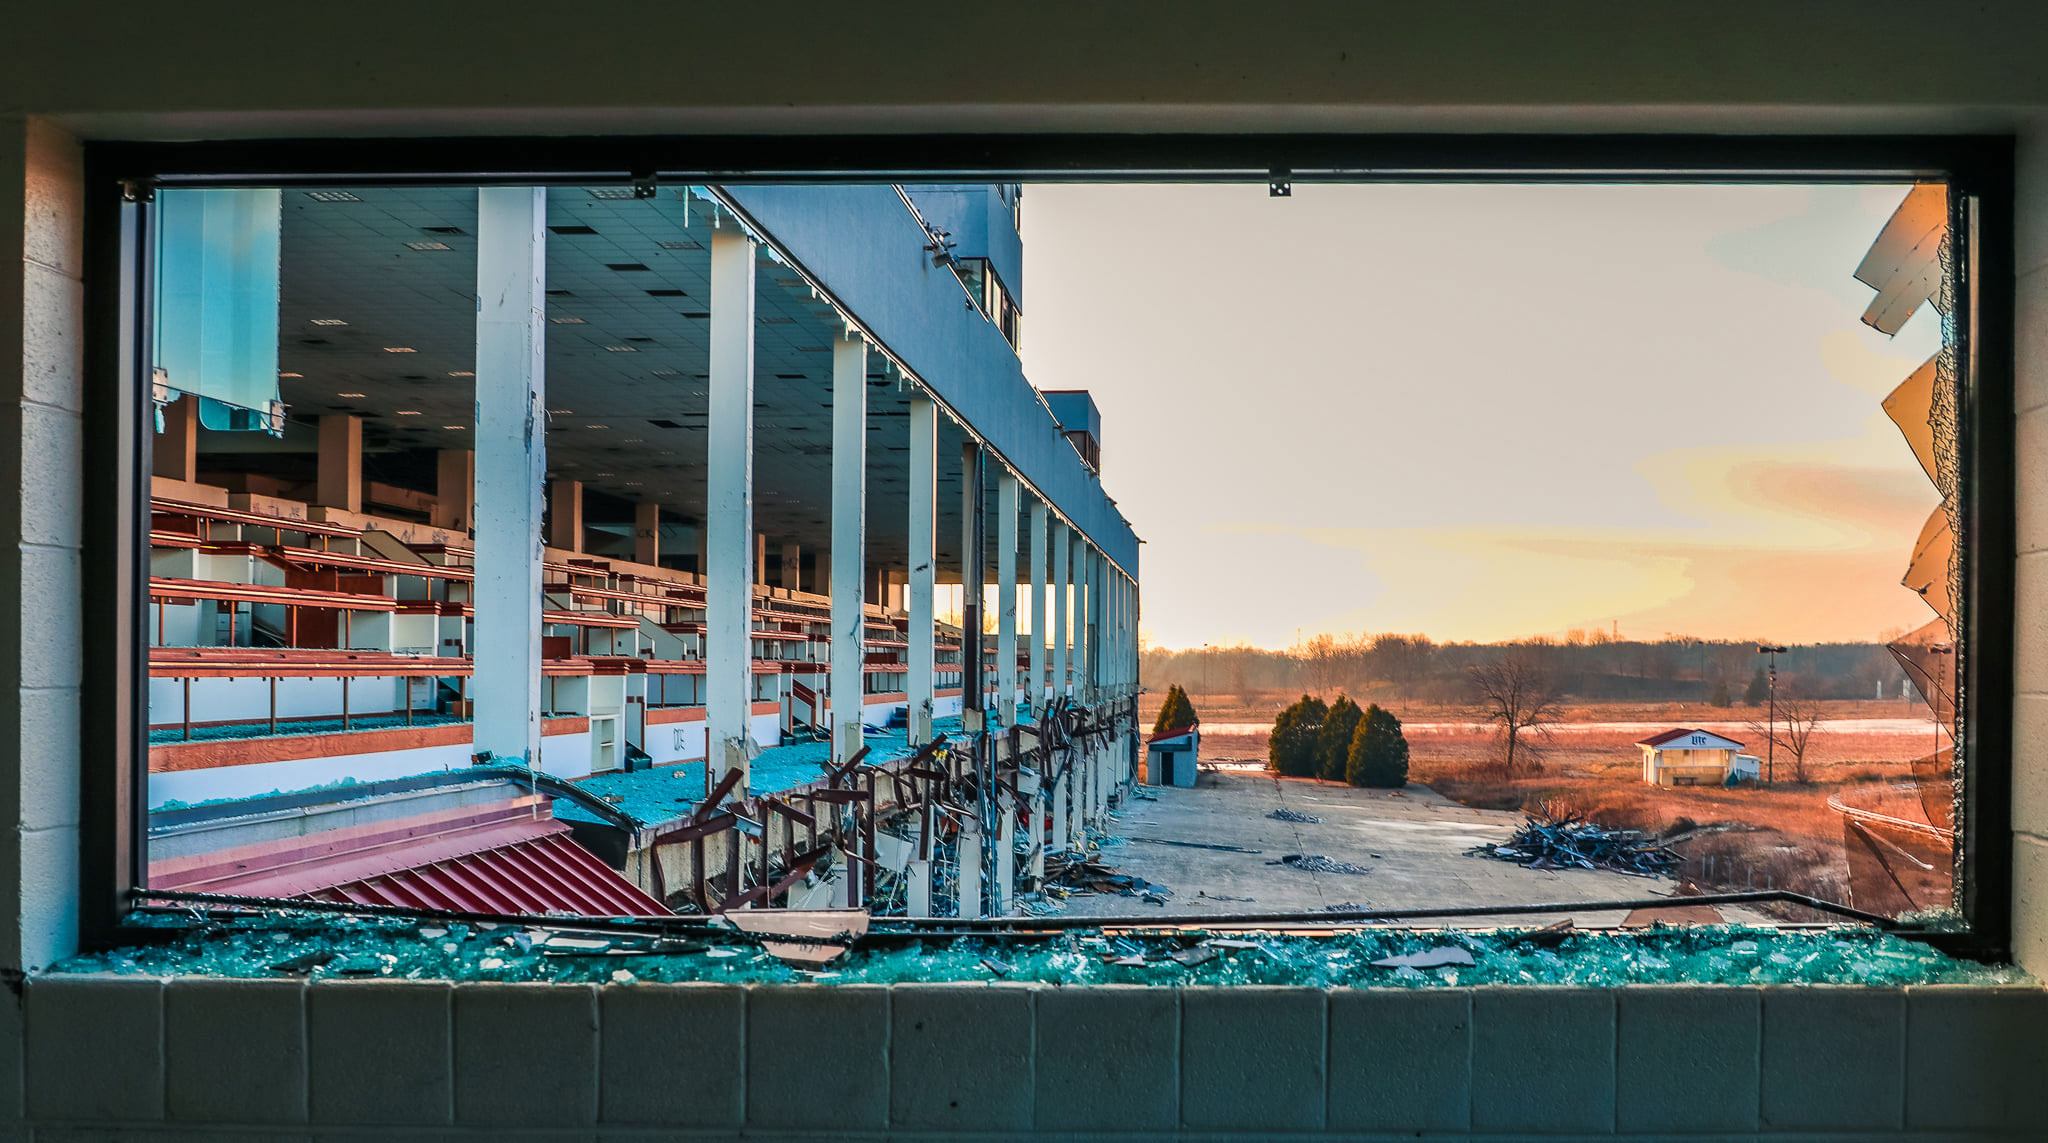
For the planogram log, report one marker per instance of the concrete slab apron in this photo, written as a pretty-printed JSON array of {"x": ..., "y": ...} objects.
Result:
[{"x": 1414, "y": 842}]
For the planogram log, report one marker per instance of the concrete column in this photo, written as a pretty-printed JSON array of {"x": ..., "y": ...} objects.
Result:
[
  {"x": 1062, "y": 835},
  {"x": 175, "y": 452},
  {"x": 973, "y": 579},
  {"x": 792, "y": 567},
  {"x": 1062, "y": 538},
  {"x": 821, "y": 572},
  {"x": 647, "y": 533},
  {"x": 1034, "y": 682},
  {"x": 511, "y": 460},
  {"x": 729, "y": 507},
  {"x": 1006, "y": 859},
  {"x": 849, "y": 538},
  {"x": 454, "y": 489},
  {"x": 340, "y": 483},
  {"x": 919, "y": 873},
  {"x": 1008, "y": 494},
  {"x": 969, "y": 854},
  {"x": 1083, "y": 620},
  {"x": 565, "y": 515},
  {"x": 761, "y": 558},
  {"x": 924, "y": 491}
]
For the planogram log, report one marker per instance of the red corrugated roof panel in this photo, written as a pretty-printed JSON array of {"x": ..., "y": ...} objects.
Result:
[{"x": 545, "y": 873}]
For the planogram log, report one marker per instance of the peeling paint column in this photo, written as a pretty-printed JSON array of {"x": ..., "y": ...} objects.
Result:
[
  {"x": 1061, "y": 562},
  {"x": 729, "y": 508},
  {"x": 1034, "y": 683},
  {"x": 511, "y": 463},
  {"x": 924, "y": 491},
  {"x": 1007, "y": 506},
  {"x": 849, "y": 531}
]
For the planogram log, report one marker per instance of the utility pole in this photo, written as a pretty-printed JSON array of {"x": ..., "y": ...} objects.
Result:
[{"x": 1771, "y": 738}]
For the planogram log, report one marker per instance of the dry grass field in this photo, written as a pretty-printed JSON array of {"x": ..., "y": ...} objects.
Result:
[{"x": 1776, "y": 835}]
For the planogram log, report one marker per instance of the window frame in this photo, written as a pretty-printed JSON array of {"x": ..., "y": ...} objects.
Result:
[{"x": 121, "y": 176}]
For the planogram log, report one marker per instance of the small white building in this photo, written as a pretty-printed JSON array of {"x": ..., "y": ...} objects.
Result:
[
  {"x": 1690, "y": 757},
  {"x": 1170, "y": 757}
]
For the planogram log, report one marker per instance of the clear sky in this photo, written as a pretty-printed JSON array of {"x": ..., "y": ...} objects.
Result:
[{"x": 1487, "y": 412}]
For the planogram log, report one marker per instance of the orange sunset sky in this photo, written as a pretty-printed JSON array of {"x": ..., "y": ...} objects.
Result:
[{"x": 1486, "y": 412}]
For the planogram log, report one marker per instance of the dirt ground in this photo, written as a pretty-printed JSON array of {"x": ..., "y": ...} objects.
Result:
[{"x": 1777, "y": 835}]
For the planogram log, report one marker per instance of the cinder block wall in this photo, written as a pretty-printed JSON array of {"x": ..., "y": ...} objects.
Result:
[{"x": 127, "y": 1058}]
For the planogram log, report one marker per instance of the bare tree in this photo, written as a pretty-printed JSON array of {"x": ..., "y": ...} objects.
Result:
[
  {"x": 1322, "y": 663},
  {"x": 1518, "y": 697},
  {"x": 1799, "y": 719}
]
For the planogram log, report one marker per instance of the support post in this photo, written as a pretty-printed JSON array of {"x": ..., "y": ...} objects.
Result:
[
  {"x": 647, "y": 533},
  {"x": 1062, "y": 538},
  {"x": 1008, "y": 495},
  {"x": 729, "y": 508},
  {"x": 924, "y": 490},
  {"x": 340, "y": 480},
  {"x": 1034, "y": 681},
  {"x": 792, "y": 567},
  {"x": 175, "y": 452},
  {"x": 454, "y": 489},
  {"x": 973, "y": 577},
  {"x": 565, "y": 515},
  {"x": 849, "y": 538},
  {"x": 511, "y": 461}
]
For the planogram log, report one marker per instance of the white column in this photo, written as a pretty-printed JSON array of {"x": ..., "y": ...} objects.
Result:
[
  {"x": 924, "y": 491},
  {"x": 849, "y": 535},
  {"x": 565, "y": 515},
  {"x": 511, "y": 462},
  {"x": 339, "y": 480},
  {"x": 970, "y": 869},
  {"x": 1084, "y": 615},
  {"x": 1062, "y": 538},
  {"x": 729, "y": 506},
  {"x": 1006, "y": 857},
  {"x": 1062, "y": 836},
  {"x": 1034, "y": 686},
  {"x": 792, "y": 567},
  {"x": 1007, "y": 507}
]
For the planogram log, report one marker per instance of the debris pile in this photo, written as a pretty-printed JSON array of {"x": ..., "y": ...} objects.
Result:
[
  {"x": 1285, "y": 815},
  {"x": 1572, "y": 842},
  {"x": 1071, "y": 873},
  {"x": 1317, "y": 863}
]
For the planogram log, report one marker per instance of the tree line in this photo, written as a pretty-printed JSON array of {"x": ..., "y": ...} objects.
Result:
[{"x": 1415, "y": 668}]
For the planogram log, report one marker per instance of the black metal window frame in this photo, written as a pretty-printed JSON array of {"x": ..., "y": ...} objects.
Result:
[{"x": 121, "y": 177}]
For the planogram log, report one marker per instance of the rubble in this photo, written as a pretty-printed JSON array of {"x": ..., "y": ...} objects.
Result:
[
  {"x": 1572, "y": 842},
  {"x": 1317, "y": 863},
  {"x": 1287, "y": 815},
  {"x": 1086, "y": 873}
]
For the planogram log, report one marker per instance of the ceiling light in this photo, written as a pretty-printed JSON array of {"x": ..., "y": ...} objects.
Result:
[
  {"x": 572, "y": 230},
  {"x": 600, "y": 474},
  {"x": 666, "y": 373},
  {"x": 461, "y": 373},
  {"x": 627, "y": 267},
  {"x": 400, "y": 349},
  {"x": 408, "y": 412},
  {"x": 355, "y": 395},
  {"x": 428, "y": 246},
  {"x": 567, "y": 321},
  {"x": 621, "y": 349},
  {"x": 597, "y": 426},
  {"x": 291, "y": 375},
  {"x": 611, "y": 193},
  {"x": 442, "y": 229},
  {"x": 685, "y": 245},
  {"x": 631, "y": 440},
  {"x": 666, "y": 294},
  {"x": 332, "y": 196},
  {"x": 328, "y": 321},
  {"x": 560, "y": 412},
  {"x": 457, "y": 428}
]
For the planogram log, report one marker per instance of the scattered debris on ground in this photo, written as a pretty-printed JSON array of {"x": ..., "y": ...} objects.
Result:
[
  {"x": 1573, "y": 843},
  {"x": 1071, "y": 873},
  {"x": 1317, "y": 863},
  {"x": 1208, "y": 896},
  {"x": 1194, "y": 844},
  {"x": 1286, "y": 815}
]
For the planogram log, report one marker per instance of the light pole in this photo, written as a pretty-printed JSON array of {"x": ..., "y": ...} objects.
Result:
[{"x": 1771, "y": 737}]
